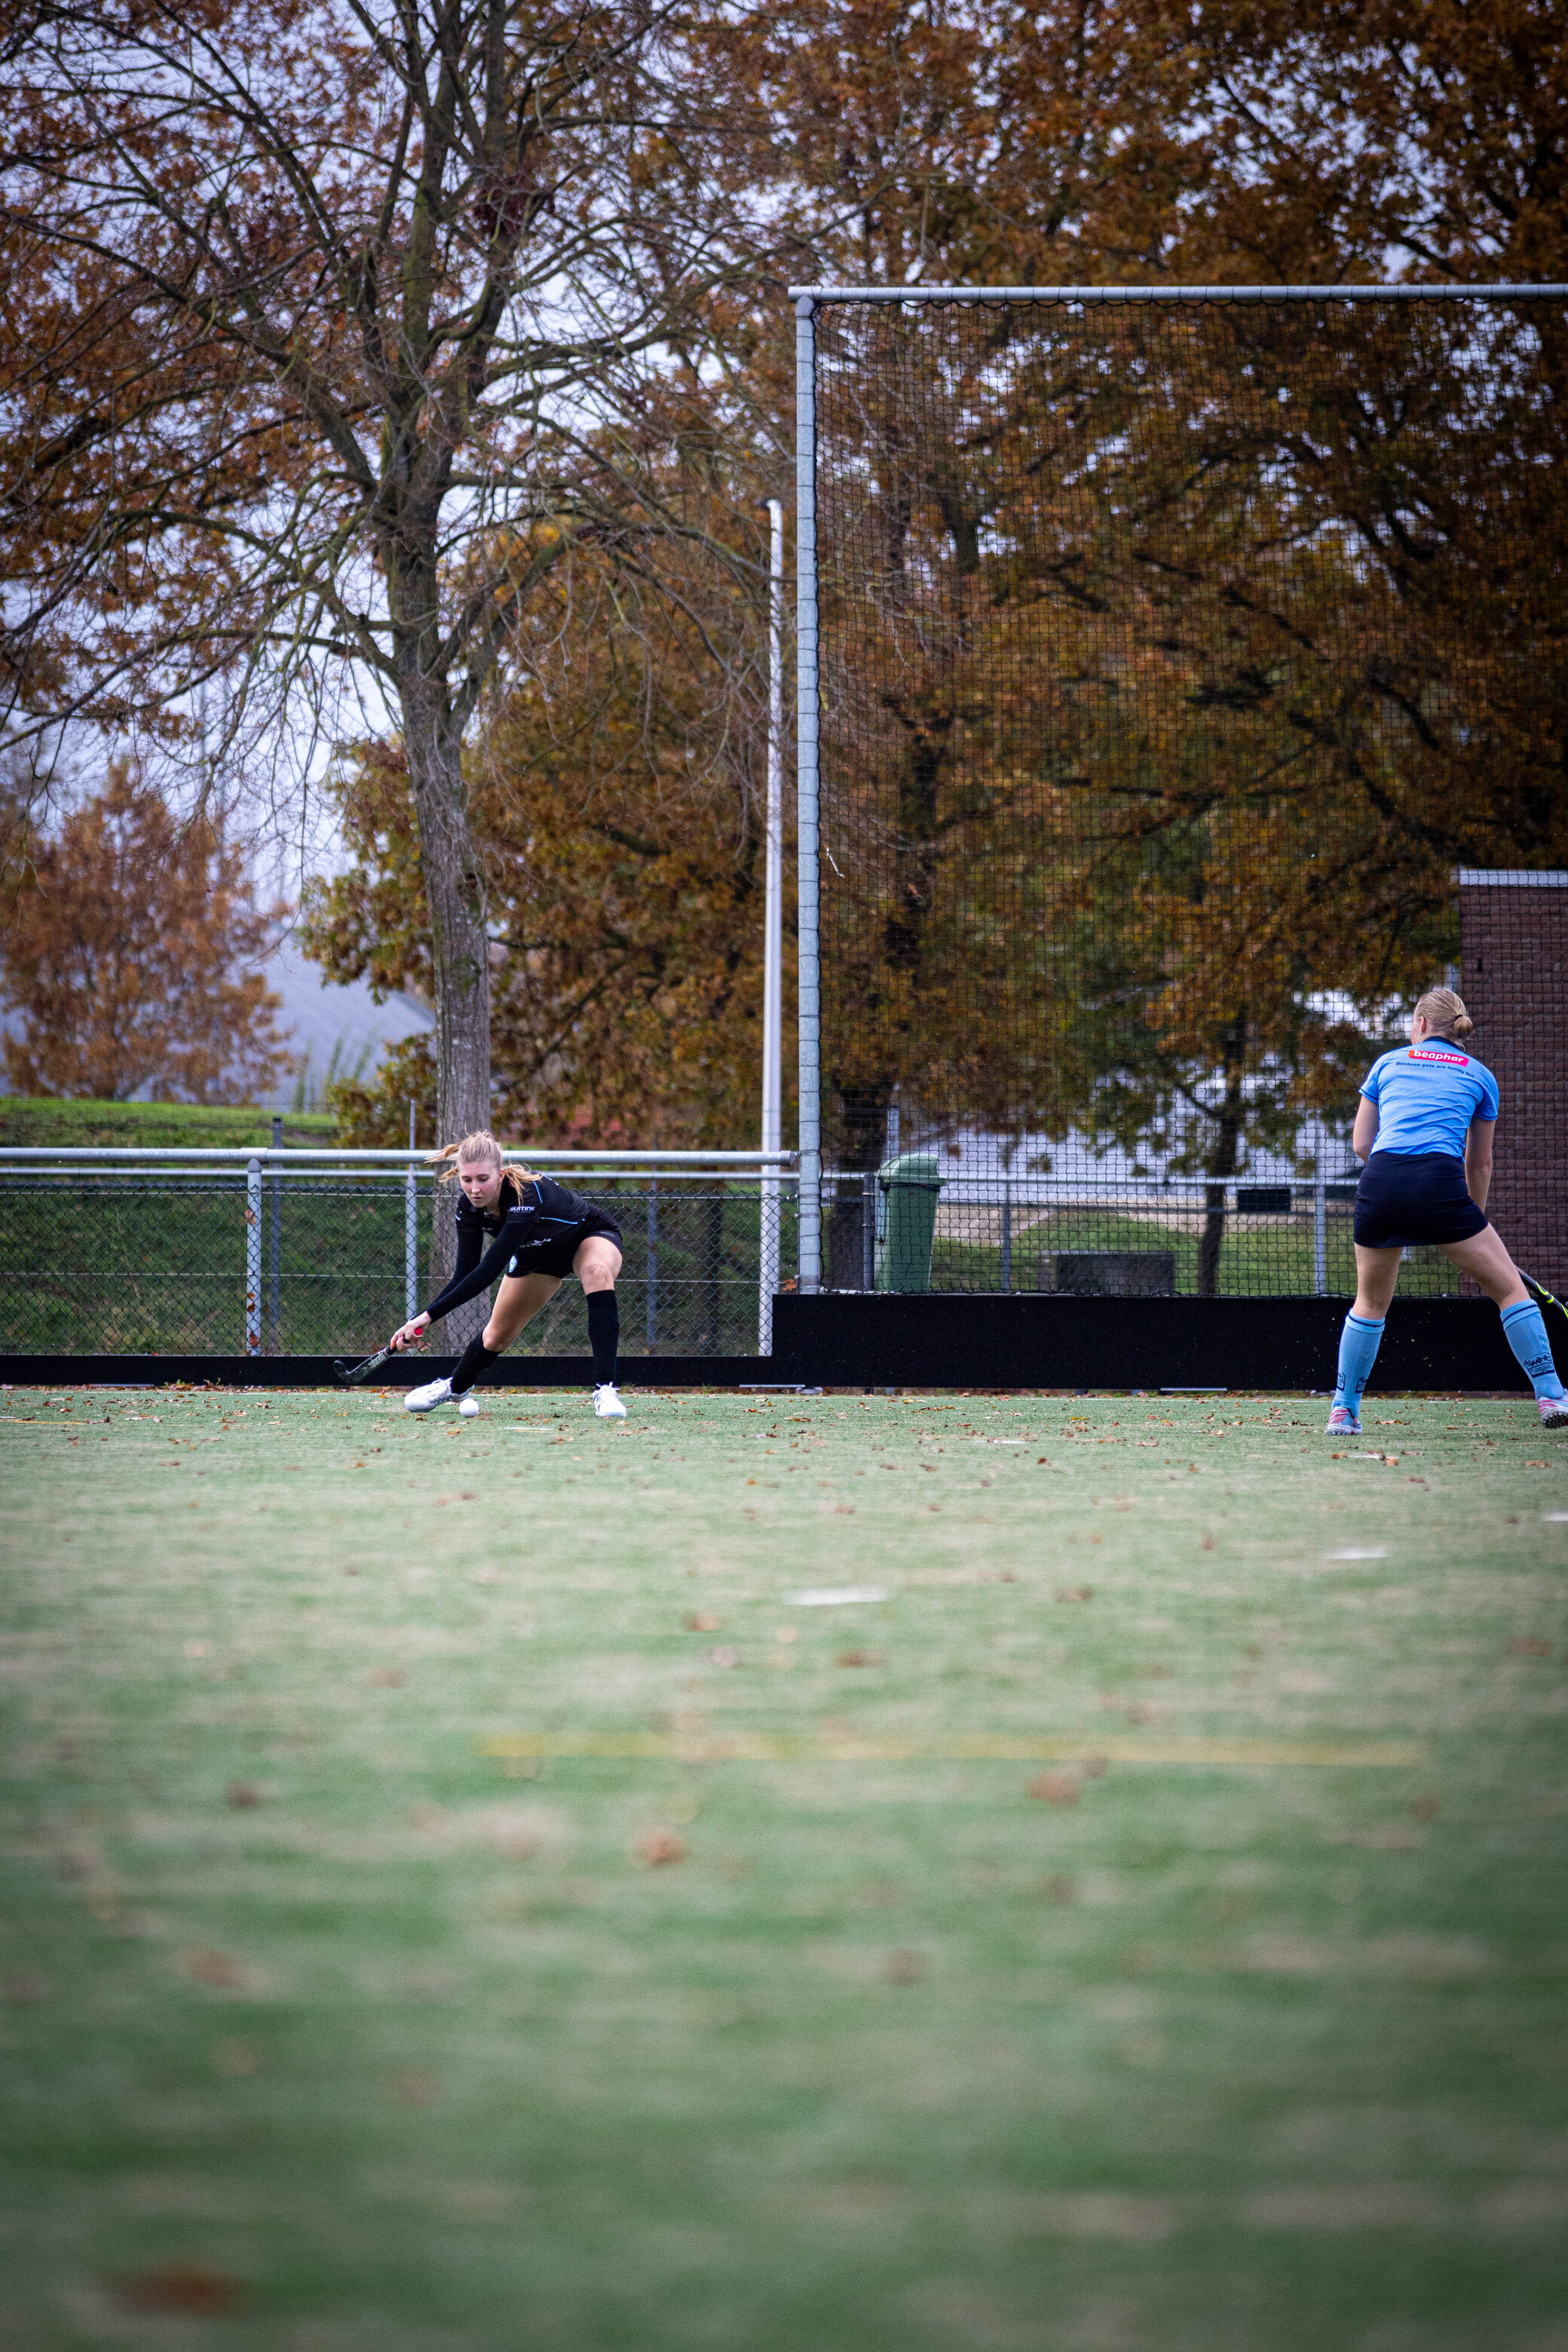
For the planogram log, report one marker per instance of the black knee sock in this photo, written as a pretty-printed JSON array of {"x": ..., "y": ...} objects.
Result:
[
  {"x": 474, "y": 1359},
  {"x": 604, "y": 1334}
]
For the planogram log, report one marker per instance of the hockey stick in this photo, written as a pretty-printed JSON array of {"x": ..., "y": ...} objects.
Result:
[
  {"x": 348, "y": 1375},
  {"x": 1542, "y": 1292}
]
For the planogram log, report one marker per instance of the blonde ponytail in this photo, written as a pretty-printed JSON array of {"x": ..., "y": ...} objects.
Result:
[{"x": 1443, "y": 1012}]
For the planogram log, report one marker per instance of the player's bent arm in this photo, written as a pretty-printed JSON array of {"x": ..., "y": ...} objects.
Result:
[
  {"x": 1363, "y": 1134},
  {"x": 1478, "y": 1159},
  {"x": 467, "y": 1281}
]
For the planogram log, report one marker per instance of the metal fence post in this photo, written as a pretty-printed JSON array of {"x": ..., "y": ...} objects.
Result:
[
  {"x": 1006, "y": 1232},
  {"x": 808, "y": 962},
  {"x": 411, "y": 1233},
  {"x": 650, "y": 1292},
  {"x": 275, "y": 1296},
  {"x": 768, "y": 1203},
  {"x": 772, "y": 940},
  {"x": 1320, "y": 1231},
  {"x": 253, "y": 1257}
]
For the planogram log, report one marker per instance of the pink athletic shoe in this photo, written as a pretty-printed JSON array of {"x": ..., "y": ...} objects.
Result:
[
  {"x": 1342, "y": 1422},
  {"x": 1554, "y": 1412}
]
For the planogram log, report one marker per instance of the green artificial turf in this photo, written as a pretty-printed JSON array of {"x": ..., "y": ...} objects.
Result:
[{"x": 359, "y": 1995}]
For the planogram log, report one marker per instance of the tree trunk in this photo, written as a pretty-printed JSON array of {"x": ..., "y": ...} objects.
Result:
[
  {"x": 1223, "y": 1160},
  {"x": 455, "y": 890}
]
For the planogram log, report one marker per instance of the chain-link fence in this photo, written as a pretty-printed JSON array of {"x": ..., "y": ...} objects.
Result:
[
  {"x": 282, "y": 1260},
  {"x": 1107, "y": 1240}
]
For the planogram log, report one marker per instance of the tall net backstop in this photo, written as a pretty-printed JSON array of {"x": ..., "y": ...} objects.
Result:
[{"x": 1182, "y": 690}]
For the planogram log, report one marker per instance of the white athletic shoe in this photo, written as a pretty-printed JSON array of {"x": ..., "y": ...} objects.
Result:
[
  {"x": 607, "y": 1405},
  {"x": 468, "y": 1405},
  {"x": 433, "y": 1393}
]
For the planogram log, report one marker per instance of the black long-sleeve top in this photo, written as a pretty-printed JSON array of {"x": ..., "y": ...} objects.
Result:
[{"x": 546, "y": 1212}]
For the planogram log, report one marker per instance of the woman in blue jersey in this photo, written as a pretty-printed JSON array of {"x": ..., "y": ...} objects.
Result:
[
  {"x": 539, "y": 1232},
  {"x": 1424, "y": 1130}
]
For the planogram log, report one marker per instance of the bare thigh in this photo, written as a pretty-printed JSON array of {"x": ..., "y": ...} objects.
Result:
[
  {"x": 596, "y": 1262},
  {"x": 1486, "y": 1262},
  {"x": 518, "y": 1301}
]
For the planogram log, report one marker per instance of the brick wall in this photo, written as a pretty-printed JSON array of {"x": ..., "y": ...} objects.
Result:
[{"x": 1514, "y": 931}]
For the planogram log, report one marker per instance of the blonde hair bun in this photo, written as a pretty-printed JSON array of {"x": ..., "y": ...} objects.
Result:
[{"x": 1442, "y": 1011}]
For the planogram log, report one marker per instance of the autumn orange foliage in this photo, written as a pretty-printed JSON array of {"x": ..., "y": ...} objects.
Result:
[{"x": 125, "y": 955}]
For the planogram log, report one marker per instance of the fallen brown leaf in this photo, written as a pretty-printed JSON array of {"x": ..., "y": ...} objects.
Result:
[
  {"x": 861, "y": 1658},
  {"x": 1055, "y": 1788},
  {"x": 656, "y": 1848},
  {"x": 210, "y": 1968},
  {"x": 416, "y": 2086},
  {"x": 1530, "y": 1645},
  {"x": 22, "y": 1990},
  {"x": 242, "y": 1795},
  {"x": 183, "y": 2288},
  {"x": 903, "y": 1968},
  {"x": 696, "y": 1623},
  {"x": 1426, "y": 1808},
  {"x": 1077, "y": 1592}
]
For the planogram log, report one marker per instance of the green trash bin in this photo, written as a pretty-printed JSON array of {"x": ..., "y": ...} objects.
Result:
[{"x": 907, "y": 1189}]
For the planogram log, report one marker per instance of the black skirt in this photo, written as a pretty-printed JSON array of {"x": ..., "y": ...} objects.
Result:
[
  {"x": 555, "y": 1257},
  {"x": 1404, "y": 1201}
]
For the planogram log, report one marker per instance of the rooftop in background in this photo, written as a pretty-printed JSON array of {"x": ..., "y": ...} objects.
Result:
[{"x": 343, "y": 1032}]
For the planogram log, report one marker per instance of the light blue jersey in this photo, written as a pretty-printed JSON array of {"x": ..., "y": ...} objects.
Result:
[{"x": 1426, "y": 1095}]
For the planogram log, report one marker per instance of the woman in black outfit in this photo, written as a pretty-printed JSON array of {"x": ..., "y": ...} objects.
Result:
[{"x": 539, "y": 1232}]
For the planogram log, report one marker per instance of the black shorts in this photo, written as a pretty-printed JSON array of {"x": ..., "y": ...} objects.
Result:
[
  {"x": 556, "y": 1257},
  {"x": 1405, "y": 1201}
]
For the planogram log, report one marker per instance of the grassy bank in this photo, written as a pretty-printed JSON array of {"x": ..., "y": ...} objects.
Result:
[{"x": 23, "y": 1120}]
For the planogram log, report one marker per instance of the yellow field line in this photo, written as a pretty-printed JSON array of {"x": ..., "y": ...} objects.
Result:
[{"x": 767, "y": 1747}]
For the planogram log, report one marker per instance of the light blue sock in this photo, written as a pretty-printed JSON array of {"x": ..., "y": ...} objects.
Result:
[
  {"x": 1527, "y": 1336},
  {"x": 1358, "y": 1353}
]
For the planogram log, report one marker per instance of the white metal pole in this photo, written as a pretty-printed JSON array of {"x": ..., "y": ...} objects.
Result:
[
  {"x": 253, "y": 1257},
  {"x": 807, "y": 781},
  {"x": 411, "y": 1232},
  {"x": 772, "y": 937}
]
